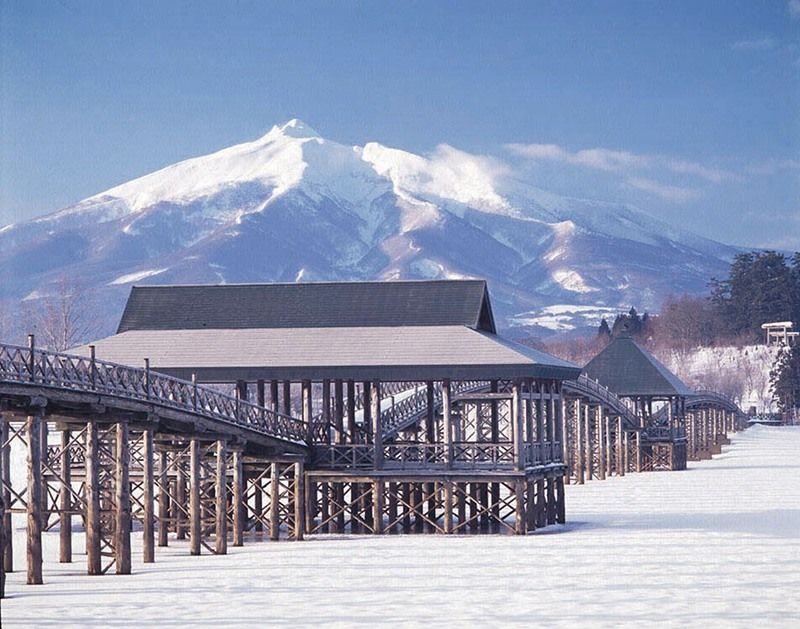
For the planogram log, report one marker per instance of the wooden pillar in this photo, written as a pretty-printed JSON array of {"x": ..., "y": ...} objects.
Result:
[
  {"x": 299, "y": 501},
  {"x": 602, "y": 442},
  {"x": 351, "y": 410},
  {"x": 638, "y": 450},
  {"x": 308, "y": 412},
  {"x": 195, "y": 523},
  {"x": 326, "y": 409},
  {"x": 447, "y": 421},
  {"x": 580, "y": 448},
  {"x": 261, "y": 393},
  {"x": 338, "y": 412},
  {"x": 377, "y": 505},
  {"x": 7, "y": 554},
  {"x": 274, "y": 502},
  {"x": 241, "y": 390},
  {"x": 122, "y": 516},
  {"x": 273, "y": 395},
  {"x": 561, "y": 511},
  {"x": 163, "y": 499},
  {"x": 65, "y": 501},
  {"x": 516, "y": 425},
  {"x": 448, "y": 505},
  {"x": 148, "y": 528},
  {"x": 221, "y": 506},
  {"x": 620, "y": 448},
  {"x": 34, "y": 506},
  {"x": 3, "y": 534},
  {"x": 377, "y": 434},
  {"x": 287, "y": 397},
  {"x": 589, "y": 456},
  {"x": 520, "y": 519},
  {"x": 430, "y": 413},
  {"x": 238, "y": 499},
  {"x": 564, "y": 436},
  {"x": 93, "y": 532}
]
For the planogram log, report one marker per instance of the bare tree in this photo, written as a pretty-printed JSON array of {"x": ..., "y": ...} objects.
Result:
[{"x": 65, "y": 317}]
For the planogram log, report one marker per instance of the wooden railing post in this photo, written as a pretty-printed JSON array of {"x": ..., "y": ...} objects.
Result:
[
  {"x": 147, "y": 378},
  {"x": 93, "y": 366},
  {"x": 31, "y": 364}
]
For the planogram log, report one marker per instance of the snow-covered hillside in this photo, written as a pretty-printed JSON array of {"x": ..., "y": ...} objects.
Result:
[
  {"x": 294, "y": 206},
  {"x": 741, "y": 372}
]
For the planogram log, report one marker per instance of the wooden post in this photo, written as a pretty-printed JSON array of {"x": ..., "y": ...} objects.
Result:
[
  {"x": 430, "y": 414},
  {"x": 65, "y": 501},
  {"x": 516, "y": 425},
  {"x": 447, "y": 421},
  {"x": 261, "y": 393},
  {"x": 377, "y": 506},
  {"x": 377, "y": 435},
  {"x": 221, "y": 506},
  {"x": 602, "y": 440},
  {"x": 274, "y": 502},
  {"x": 3, "y": 534},
  {"x": 238, "y": 485},
  {"x": 195, "y": 524},
  {"x": 299, "y": 501},
  {"x": 448, "y": 505},
  {"x": 351, "y": 410},
  {"x": 589, "y": 456},
  {"x": 520, "y": 519},
  {"x": 579, "y": 441},
  {"x": 163, "y": 499},
  {"x": 34, "y": 507},
  {"x": 287, "y": 397},
  {"x": 620, "y": 448},
  {"x": 273, "y": 395},
  {"x": 93, "y": 531},
  {"x": 7, "y": 554},
  {"x": 308, "y": 413},
  {"x": 122, "y": 516},
  {"x": 326, "y": 409},
  {"x": 148, "y": 528},
  {"x": 561, "y": 512}
]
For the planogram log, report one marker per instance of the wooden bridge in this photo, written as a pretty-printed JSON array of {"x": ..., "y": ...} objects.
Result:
[{"x": 482, "y": 443}]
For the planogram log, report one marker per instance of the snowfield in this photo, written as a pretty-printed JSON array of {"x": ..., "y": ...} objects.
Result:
[{"x": 716, "y": 545}]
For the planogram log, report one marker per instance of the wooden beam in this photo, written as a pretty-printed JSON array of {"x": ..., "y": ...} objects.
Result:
[
  {"x": 275, "y": 497},
  {"x": 377, "y": 505},
  {"x": 375, "y": 412},
  {"x": 7, "y": 554},
  {"x": 195, "y": 524},
  {"x": 299, "y": 501},
  {"x": 221, "y": 506},
  {"x": 273, "y": 395},
  {"x": 148, "y": 484},
  {"x": 65, "y": 501},
  {"x": 34, "y": 506},
  {"x": 163, "y": 499},
  {"x": 238, "y": 507},
  {"x": 516, "y": 425},
  {"x": 122, "y": 516},
  {"x": 447, "y": 421},
  {"x": 92, "y": 474}
]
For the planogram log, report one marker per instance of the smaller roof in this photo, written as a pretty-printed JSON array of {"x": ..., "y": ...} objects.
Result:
[
  {"x": 628, "y": 369},
  {"x": 309, "y": 305}
]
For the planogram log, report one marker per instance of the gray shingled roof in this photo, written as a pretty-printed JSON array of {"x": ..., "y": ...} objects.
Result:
[
  {"x": 309, "y": 305},
  {"x": 628, "y": 369},
  {"x": 357, "y": 353}
]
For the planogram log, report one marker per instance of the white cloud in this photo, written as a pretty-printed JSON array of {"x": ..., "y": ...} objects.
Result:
[
  {"x": 676, "y": 194},
  {"x": 759, "y": 43},
  {"x": 612, "y": 160}
]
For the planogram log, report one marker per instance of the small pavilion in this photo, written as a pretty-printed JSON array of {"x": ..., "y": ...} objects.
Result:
[{"x": 656, "y": 394}]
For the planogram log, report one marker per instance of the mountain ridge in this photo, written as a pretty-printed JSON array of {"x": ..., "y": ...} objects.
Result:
[{"x": 294, "y": 206}]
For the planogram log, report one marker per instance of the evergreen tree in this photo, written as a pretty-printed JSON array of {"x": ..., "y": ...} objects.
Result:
[
  {"x": 784, "y": 378},
  {"x": 604, "y": 331}
]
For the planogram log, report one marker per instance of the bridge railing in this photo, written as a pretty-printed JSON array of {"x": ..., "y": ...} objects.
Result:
[
  {"x": 592, "y": 389},
  {"x": 68, "y": 371}
]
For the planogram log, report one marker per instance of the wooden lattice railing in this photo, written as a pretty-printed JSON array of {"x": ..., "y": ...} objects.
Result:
[
  {"x": 78, "y": 373},
  {"x": 596, "y": 392}
]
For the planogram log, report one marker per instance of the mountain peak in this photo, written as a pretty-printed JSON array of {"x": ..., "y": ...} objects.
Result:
[{"x": 294, "y": 128}]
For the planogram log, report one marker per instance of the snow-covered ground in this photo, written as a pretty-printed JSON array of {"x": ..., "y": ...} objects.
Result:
[{"x": 716, "y": 545}]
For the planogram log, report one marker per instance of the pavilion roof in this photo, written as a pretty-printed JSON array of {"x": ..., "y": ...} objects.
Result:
[{"x": 628, "y": 369}]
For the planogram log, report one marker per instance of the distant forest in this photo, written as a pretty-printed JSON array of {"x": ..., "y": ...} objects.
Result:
[{"x": 760, "y": 287}]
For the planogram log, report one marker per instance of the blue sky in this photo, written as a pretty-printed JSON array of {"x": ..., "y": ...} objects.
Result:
[{"x": 688, "y": 110}]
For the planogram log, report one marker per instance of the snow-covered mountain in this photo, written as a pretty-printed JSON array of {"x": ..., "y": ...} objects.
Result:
[{"x": 293, "y": 206}]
